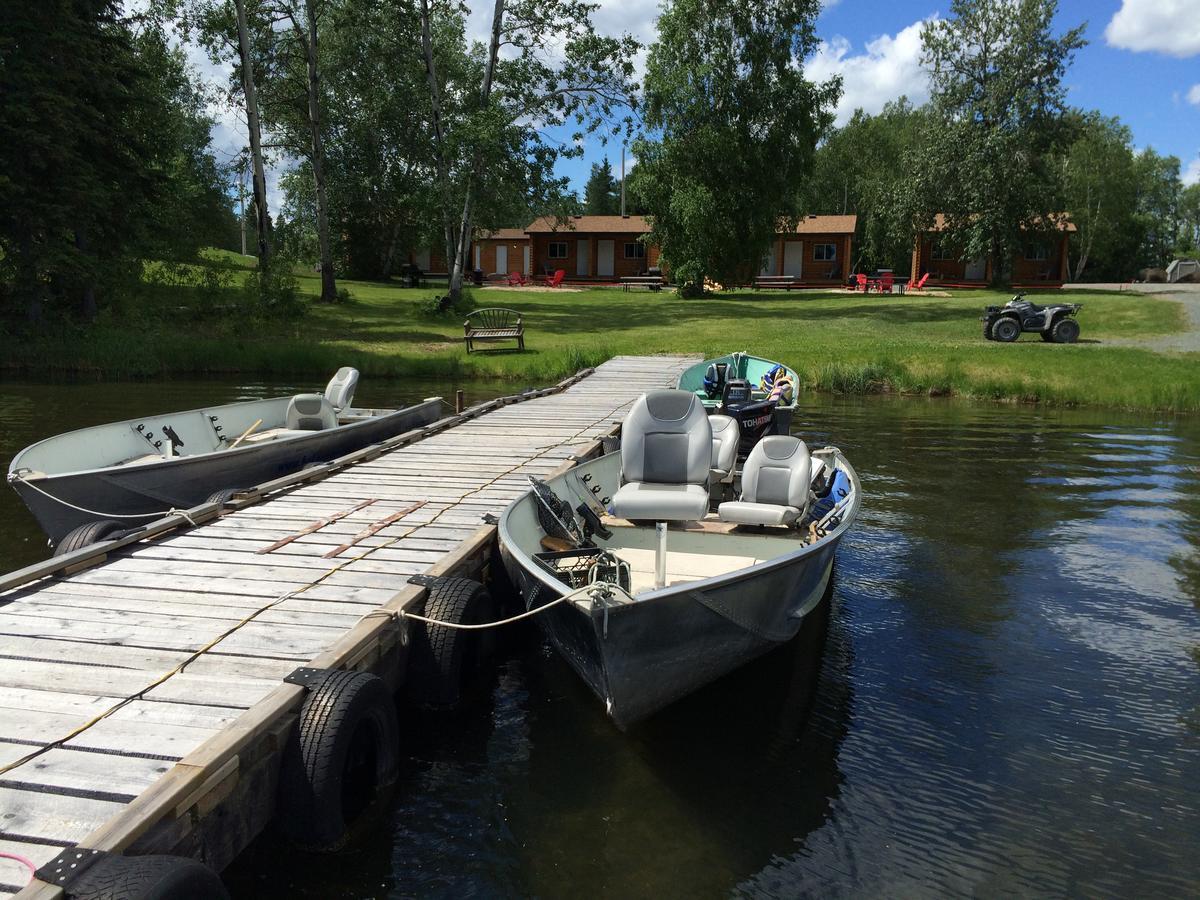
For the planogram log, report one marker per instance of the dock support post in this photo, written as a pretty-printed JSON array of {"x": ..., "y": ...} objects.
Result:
[{"x": 459, "y": 402}]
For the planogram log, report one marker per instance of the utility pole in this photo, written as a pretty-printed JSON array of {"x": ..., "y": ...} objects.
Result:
[
  {"x": 242, "y": 201},
  {"x": 622, "y": 180}
]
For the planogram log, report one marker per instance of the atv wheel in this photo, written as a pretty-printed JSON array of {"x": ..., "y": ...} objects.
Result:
[
  {"x": 1065, "y": 331},
  {"x": 987, "y": 330},
  {"x": 1046, "y": 336},
  {"x": 1006, "y": 330}
]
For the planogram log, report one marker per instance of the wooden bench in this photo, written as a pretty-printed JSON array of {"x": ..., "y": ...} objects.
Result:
[
  {"x": 494, "y": 323},
  {"x": 782, "y": 282},
  {"x": 653, "y": 282}
]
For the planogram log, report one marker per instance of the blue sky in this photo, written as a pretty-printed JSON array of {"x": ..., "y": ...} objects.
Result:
[{"x": 1141, "y": 64}]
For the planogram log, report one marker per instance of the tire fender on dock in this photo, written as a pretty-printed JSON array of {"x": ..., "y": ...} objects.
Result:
[
  {"x": 86, "y": 535},
  {"x": 442, "y": 660},
  {"x": 148, "y": 878},
  {"x": 341, "y": 762}
]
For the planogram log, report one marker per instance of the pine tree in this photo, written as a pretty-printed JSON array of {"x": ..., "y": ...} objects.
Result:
[{"x": 601, "y": 195}]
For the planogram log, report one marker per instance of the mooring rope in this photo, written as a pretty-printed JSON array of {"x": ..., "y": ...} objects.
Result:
[
  {"x": 105, "y": 515},
  {"x": 596, "y": 591}
]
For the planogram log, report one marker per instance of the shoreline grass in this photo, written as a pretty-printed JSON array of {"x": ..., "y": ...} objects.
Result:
[{"x": 837, "y": 342}]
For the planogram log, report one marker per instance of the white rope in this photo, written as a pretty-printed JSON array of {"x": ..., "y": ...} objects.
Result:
[
  {"x": 91, "y": 512},
  {"x": 592, "y": 590}
]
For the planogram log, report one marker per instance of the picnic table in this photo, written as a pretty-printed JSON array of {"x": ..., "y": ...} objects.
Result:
[
  {"x": 652, "y": 282},
  {"x": 782, "y": 282}
]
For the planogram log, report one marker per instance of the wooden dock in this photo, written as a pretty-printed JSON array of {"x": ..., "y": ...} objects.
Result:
[{"x": 142, "y": 701}]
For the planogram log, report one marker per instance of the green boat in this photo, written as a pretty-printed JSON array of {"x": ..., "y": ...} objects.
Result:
[{"x": 748, "y": 388}]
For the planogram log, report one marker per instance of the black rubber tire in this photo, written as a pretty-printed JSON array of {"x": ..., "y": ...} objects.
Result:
[
  {"x": 1046, "y": 336},
  {"x": 86, "y": 535},
  {"x": 987, "y": 330},
  {"x": 1065, "y": 331},
  {"x": 1006, "y": 329},
  {"x": 441, "y": 661},
  {"x": 341, "y": 762},
  {"x": 148, "y": 878},
  {"x": 222, "y": 496}
]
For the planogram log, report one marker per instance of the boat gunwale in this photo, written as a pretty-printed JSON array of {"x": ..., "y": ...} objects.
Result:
[{"x": 14, "y": 467}]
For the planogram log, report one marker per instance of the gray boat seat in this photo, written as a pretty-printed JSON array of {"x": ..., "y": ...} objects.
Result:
[
  {"x": 340, "y": 390},
  {"x": 776, "y": 483},
  {"x": 726, "y": 435},
  {"x": 666, "y": 450},
  {"x": 310, "y": 412}
]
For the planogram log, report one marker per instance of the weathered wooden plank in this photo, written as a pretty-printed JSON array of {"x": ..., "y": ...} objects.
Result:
[
  {"x": 52, "y": 816},
  {"x": 75, "y": 770}
]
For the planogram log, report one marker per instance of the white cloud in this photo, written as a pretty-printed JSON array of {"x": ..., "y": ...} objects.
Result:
[
  {"x": 1191, "y": 175},
  {"x": 889, "y": 68},
  {"x": 1162, "y": 26},
  {"x": 1193, "y": 96}
]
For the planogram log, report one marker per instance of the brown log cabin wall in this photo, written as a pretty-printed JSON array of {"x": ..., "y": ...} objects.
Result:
[{"x": 622, "y": 267}]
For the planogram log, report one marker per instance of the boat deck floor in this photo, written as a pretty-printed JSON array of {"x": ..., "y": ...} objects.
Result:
[{"x": 112, "y": 675}]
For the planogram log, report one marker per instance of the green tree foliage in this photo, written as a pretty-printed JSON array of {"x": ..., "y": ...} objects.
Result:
[
  {"x": 989, "y": 159},
  {"x": 602, "y": 193},
  {"x": 1189, "y": 221},
  {"x": 860, "y": 168},
  {"x": 1101, "y": 196},
  {"x": 103, "y": 155},
  {"x": 735, "y": 123},
  {"x": 1158, "y": 195}
]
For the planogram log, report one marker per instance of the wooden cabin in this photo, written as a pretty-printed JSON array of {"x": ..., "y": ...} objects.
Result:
[
  {"x": 502, "y": 251},
  {"x": 816, "y": 252},
  {"x": 591, "y": 248},
  {"x": 1043, "y": 262}
]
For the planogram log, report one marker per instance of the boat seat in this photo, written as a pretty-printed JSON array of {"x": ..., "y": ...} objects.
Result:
[
  {"x": 776, "y": 483},
  {"x": 340, "y": 390},
  {"x": 726, "y": 435},
  {"x": 666, "y": 450},
  {"x": 310, "y": 412}
]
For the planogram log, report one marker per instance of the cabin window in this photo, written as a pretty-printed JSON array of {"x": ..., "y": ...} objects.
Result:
[
  {"x": 939, "y": 252},
  {"x": 558, "y": 249},
  {"x": 635, "y": 250},
  {"x": 1036, "y": 251},
  {"x": 825, "y": 252}
]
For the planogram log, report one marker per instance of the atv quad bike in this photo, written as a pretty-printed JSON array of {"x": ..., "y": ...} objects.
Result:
[{"x": 1055, "y": 323}]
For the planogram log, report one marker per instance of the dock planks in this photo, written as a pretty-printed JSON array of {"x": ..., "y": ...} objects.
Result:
[{"x": 110, "y": 639}]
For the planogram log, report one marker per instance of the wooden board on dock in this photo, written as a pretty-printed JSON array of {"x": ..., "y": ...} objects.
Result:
[{"x": 111, "y": 675}]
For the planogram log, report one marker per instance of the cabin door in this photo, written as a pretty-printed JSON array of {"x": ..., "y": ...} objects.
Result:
[
  {"x": 604, "y": 258},
  {"x": 478, "y": 253},
  {"x": 501, "y": 258},
  {"x": 768, "y": 266},
  {"x": 581, "y": 258},
  {"x": 976, "y": 270},
  {"x": 526, "y": 259},
  {"x": 421, "y": 258},
  {"x": 793, "y": 257}
]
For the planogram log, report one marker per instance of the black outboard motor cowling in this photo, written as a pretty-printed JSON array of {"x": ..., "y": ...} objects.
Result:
[{"x": 755, "y": 418}]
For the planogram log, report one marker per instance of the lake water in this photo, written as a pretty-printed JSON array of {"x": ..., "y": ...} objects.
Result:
[{"x": 1008, "y": 702}]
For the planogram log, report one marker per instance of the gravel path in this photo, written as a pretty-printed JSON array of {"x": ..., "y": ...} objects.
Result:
[{"x": 1187, "y": 295}]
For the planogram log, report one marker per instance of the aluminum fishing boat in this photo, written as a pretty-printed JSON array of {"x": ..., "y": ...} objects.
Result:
[
  {"x": 134, "y": 471},
  {"x": 654, "y": 584},
  {"x": 760, "y": 394}
]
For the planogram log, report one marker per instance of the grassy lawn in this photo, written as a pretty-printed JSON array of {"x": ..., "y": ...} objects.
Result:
[{"x": 836, "y": 341}]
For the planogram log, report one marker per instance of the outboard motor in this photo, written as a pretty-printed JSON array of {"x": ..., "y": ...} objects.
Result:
[{"x": 755, "y": 418}]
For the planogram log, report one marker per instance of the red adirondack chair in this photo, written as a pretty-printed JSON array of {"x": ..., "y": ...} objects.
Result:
[
  {"x": 516, "y": 278},
  {"x": 862, "y": 282},
  {"x": 920, "y": 285},
  {"x": 885, "y": 282},
  {"x": 556, "y": 279}
]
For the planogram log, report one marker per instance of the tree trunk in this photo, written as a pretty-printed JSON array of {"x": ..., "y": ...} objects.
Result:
[
  {"x": 439, "y": 134},
  {"x": 87, "y": 296},
  {"x": 328, "y": 285},
  {"x": 255, "y": 132},
  {"x": 464, "y": 231}
]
